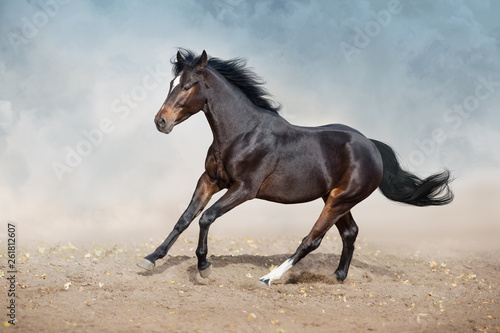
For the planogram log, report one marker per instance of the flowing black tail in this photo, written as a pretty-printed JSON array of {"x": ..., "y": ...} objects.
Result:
[{"x": 403, "y": 186}]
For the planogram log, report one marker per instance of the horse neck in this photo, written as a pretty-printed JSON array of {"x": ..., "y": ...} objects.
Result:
[{"x": 228, "y": 111}]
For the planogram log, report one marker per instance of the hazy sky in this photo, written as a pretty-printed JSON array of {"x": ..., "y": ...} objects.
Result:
[{"x": 80, "y": 83}]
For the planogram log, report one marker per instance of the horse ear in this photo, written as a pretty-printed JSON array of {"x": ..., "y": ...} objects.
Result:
[
  {"x": 202, "y": 62},
  {"x": 179, "y": 57}
]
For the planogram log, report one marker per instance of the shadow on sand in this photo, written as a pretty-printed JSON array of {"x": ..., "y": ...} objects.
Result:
[{"x": 315, "y": 268}]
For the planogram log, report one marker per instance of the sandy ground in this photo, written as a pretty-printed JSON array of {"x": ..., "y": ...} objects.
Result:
[{"x": 418, "y": 287}]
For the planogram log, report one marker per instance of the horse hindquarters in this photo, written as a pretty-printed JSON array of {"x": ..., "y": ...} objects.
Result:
[{"x": 359, "y": 179}]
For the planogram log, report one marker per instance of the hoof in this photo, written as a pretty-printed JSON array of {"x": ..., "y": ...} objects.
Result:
[
  {"x": 206, "y": 272},
  {"x": 267, "y": 282},
  {"x": 146, "y": 264},
  {"x": 340, "y": 276}
]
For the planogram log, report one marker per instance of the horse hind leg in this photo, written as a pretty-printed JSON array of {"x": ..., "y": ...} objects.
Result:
[
  {"x": 348, "y": 232},
  {"x": 335, "y": 208}
]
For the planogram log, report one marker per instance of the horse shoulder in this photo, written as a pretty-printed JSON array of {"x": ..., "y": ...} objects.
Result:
[{"x": 215, "y": 168}]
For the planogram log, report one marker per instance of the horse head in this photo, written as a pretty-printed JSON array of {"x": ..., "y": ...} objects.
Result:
[{"x": 186, "y": 98}]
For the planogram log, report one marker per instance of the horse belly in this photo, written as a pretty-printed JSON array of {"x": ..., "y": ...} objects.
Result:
[{"x": 294, "y": 187}]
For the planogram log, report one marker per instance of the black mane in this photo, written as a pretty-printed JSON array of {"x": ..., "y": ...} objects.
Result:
[{"x": 236, "y": 72}]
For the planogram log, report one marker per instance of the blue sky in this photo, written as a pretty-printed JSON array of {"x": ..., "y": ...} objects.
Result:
[{"x": 80, "y": 83}]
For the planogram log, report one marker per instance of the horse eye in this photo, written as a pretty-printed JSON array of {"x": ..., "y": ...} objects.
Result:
[{"x": 186, "y": 88}]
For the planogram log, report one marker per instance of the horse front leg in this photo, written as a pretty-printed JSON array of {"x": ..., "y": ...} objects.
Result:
[
  {"x": 235, "y": 195},
  {"x": 205, "y": 189}
]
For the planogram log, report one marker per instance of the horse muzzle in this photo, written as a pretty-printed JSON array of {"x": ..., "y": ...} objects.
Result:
[{"x": 164, "y": 126}]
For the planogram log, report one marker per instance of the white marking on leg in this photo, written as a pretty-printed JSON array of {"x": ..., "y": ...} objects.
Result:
[{"x": 277, "y": 273}]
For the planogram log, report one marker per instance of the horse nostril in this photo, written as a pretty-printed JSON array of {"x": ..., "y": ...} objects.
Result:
[{"x": 161, "y": 122}]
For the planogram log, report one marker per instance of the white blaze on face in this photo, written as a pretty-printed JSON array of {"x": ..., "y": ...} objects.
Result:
[
  {"x": 177, "y": 80},
  {"x": 174, "y": 83}
]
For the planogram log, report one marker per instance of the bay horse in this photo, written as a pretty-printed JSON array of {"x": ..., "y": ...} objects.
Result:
[{"x": 256, "y": 153}]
